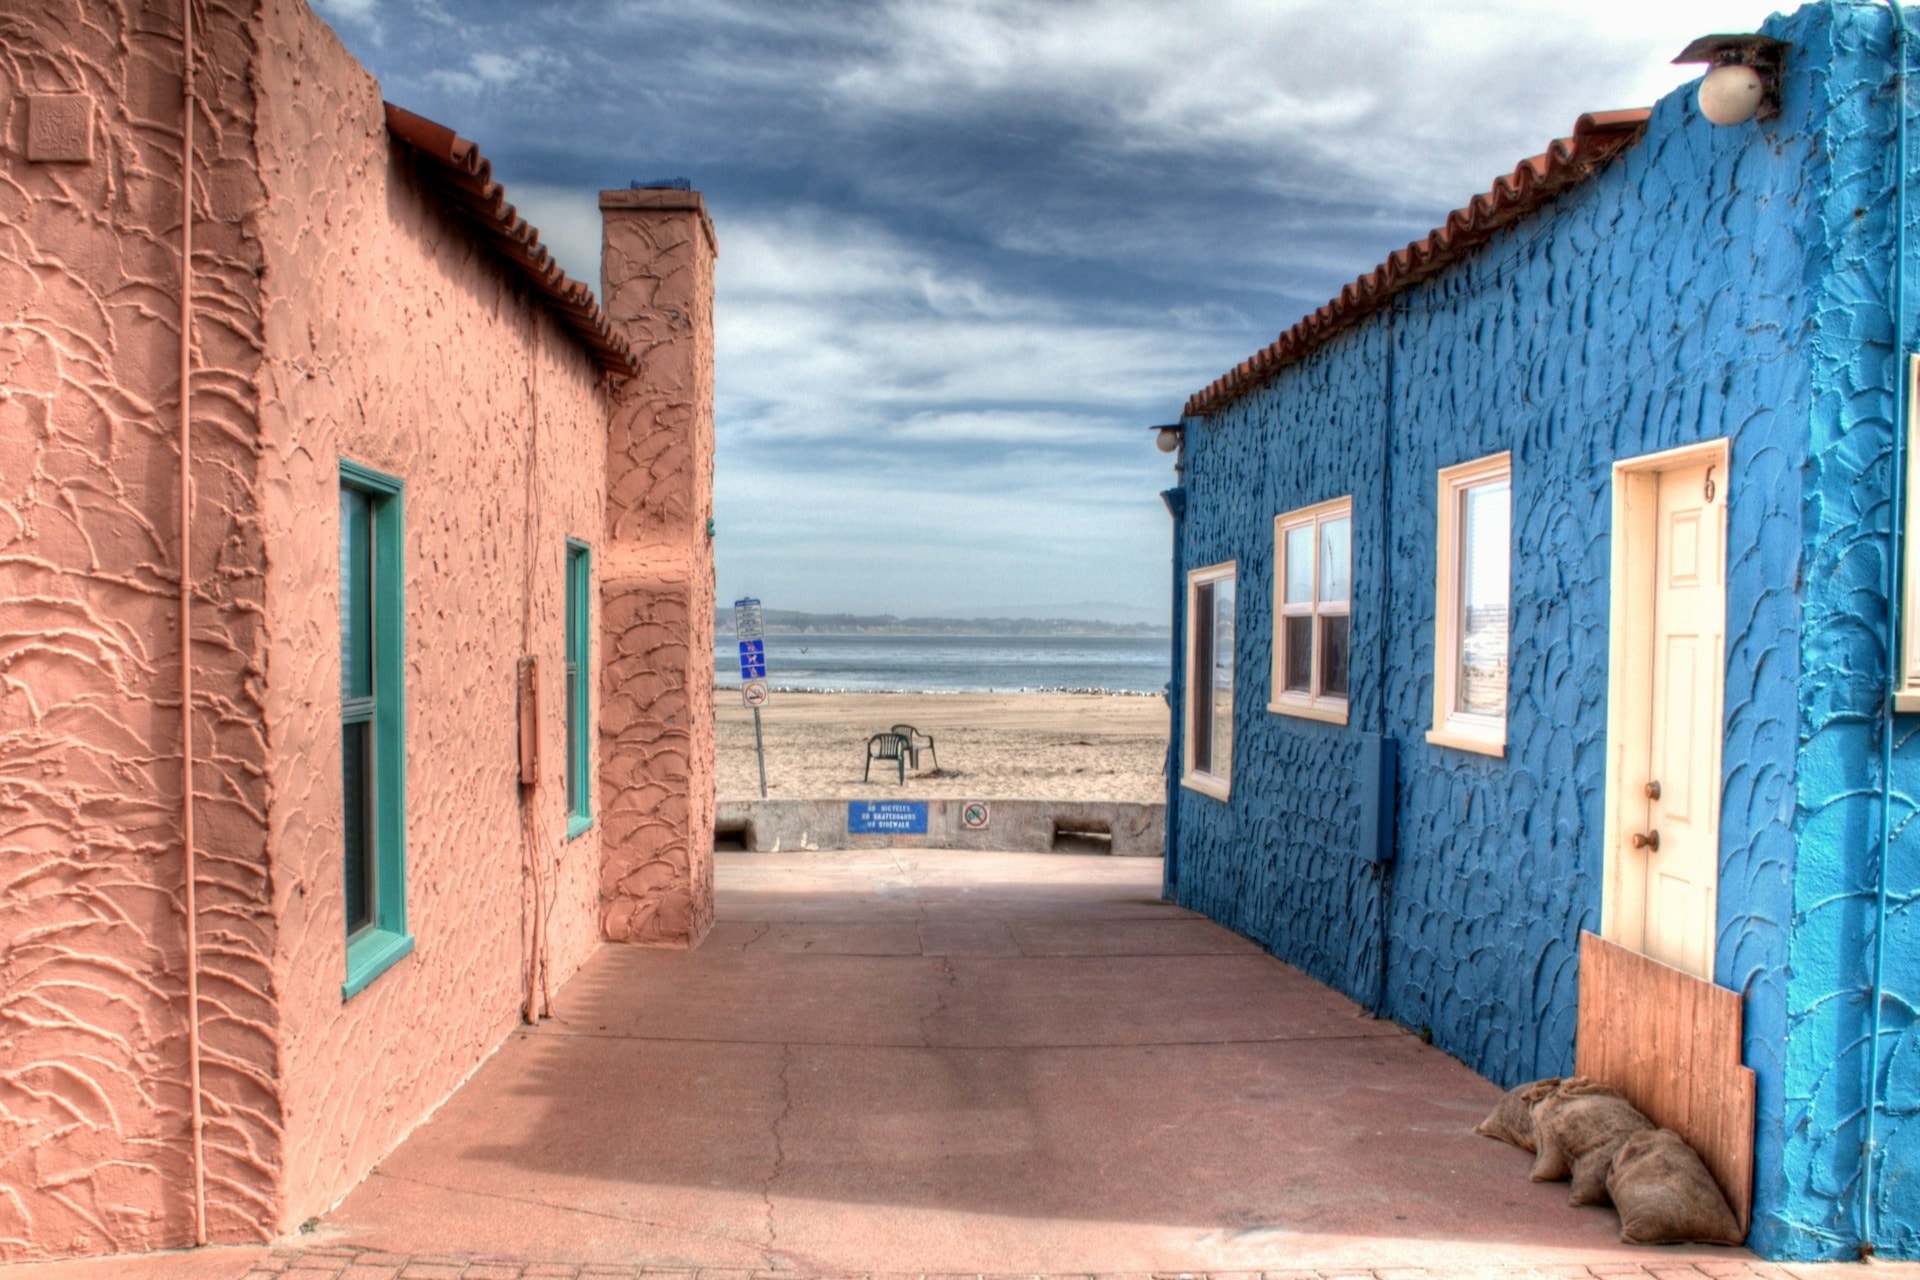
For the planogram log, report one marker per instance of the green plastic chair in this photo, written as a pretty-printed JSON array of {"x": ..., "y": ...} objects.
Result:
[
  {"x": 887, "y": 746},
  {"x": 916, "y": 743}
]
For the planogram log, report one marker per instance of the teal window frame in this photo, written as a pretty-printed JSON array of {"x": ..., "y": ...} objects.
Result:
[
  {"x": 579, "y": 686},
  {"x": 379, "y": 944}
]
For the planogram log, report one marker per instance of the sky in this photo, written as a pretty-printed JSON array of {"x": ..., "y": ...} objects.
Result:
[{"x": 971, "y": 249}]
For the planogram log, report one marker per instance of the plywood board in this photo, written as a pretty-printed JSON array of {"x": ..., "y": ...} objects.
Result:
[{"x": 1670, "y": 1042}]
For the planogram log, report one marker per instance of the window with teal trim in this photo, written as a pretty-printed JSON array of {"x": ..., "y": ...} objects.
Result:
[
  {"x": 579, "y": 739},
  {"x": 373, "y": 750}
]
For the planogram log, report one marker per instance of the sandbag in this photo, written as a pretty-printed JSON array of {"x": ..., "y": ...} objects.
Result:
[
  {"x": 1511, "y": 1120},
  {"x": 1666, "y": 1195},
  {"x": 1577, "y": 1119},
  {"x": 1590, "y": 1173}
]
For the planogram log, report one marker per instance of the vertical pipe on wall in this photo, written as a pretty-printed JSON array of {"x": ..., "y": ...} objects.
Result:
[
  {"x": 1383, "y": 870},
  {"x": 1176, "y": 500},
  {"x": 197, "y": 1116},
  {"x": 1869, "y": 1177},
  {"x": 532, "y": 1008}
]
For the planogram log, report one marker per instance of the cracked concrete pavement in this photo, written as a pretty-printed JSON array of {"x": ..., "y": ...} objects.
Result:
[
  {"x": 908, "y": 1062},
  {"x": 904, "y": 1060}
]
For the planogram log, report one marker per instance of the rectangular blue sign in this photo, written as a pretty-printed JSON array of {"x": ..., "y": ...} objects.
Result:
[
  {"x": 753, "y": 660},
  {"x": 886, "y": 817}
]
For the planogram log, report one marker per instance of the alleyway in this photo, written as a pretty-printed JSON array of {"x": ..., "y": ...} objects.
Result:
[
  {"x": 911, "y": 1060},
  {"x": 897, "y": 1063}
]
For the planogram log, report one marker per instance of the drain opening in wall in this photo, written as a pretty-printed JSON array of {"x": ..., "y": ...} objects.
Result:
[
  {"x": 1082, "y": 835},
  {"x": 732, "y": 836}
]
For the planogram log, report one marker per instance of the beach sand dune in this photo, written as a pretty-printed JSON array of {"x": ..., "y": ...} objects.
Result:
[{"x": 1041, "y": 746}]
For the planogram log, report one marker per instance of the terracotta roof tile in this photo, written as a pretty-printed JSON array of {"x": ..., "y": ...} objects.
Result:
[
  {"x": 461, "y": 176},
  {"x": 1597, "y": 138}
]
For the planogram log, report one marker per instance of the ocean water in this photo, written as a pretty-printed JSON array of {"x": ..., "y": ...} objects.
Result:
[{"x": 953, "y": 664}]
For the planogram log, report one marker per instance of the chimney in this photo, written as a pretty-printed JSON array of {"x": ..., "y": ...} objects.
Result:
[{"x": 656, "y": 574}]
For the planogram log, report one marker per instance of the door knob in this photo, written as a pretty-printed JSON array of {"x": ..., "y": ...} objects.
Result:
[
  {"x": 1649, "y": 840},
  {"x": 1653, "y": 789}
]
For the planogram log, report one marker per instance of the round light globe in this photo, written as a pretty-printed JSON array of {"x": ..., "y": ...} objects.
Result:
[
  {"x": 1166, "y": 439},
  {"x": 1730, "y": 94}
]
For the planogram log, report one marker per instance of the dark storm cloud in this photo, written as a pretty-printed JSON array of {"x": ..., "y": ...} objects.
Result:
[{"x": 970, "y": 248}]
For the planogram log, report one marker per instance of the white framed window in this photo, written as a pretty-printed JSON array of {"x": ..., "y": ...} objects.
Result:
[
  {"x": 1471, "y": 606},
  {"x": 1313, "y": 584},
  {"x": 1907, "y": 696},
  {"x": 1209, "y": 711}
]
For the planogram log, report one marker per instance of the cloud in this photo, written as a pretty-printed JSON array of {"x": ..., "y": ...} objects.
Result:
[
  {"x": 863, "y": 373},
  {"x": 829, "y": 328},
  {"x": 364, "y": 14},
  {"x": 352, "y": 10},
  {"x": 1399, "y": 99},
  {"x": 530, "y": 69},
  {"x": 569, "y": 223},
  {"x": 970, "y": 248},
  {"x": 897, "y": 432}
]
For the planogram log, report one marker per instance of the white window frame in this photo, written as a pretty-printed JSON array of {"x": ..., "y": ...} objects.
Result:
[
  {"x": 1452, "y": 727},
  {"x": 1907, "y": 696},
  {"x": 1207, "y": 782},
  {"x": 1314, "y": 704}
]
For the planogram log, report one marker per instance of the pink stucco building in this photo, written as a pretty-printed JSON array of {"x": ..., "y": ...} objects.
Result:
[{"x": 245, "y": 948}]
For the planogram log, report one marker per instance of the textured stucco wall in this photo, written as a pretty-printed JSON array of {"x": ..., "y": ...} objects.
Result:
[
  {"x": 657, "y": 734},
  {"x": 1843, "y": 653},
  {"x": 341, "y": 312},
  {"x": 1712, "y": 282},
  {"x": 394, "y": 339},
  {"x": 93, "y": 1101}
]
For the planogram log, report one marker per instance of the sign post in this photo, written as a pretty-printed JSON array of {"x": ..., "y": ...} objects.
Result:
[{"x": 747, "y": 628}]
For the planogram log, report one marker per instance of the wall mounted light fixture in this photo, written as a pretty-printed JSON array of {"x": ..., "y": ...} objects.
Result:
[
  {"x": 1169, "y": 437},
  {"x": 1743, "y": 78}
]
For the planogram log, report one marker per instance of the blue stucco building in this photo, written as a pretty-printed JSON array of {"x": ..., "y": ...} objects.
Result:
[{"x": 1663, "y": 349}]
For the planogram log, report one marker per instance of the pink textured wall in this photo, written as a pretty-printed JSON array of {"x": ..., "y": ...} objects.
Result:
[
  {"x": 342, "y": 311},
  {"x": 657, "y": 731},
  {"x": 393, "y": 339},
  {"x": 93, "y": 1101}
]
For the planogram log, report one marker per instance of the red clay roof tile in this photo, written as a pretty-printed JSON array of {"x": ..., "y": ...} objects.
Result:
[
  {"x": 1597, "y": 138},
  {"x": 460, "y": 175}
]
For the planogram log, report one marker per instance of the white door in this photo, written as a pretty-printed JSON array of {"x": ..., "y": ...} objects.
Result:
[
  {"x": 1689, "y": 608},
  {"x": 1670, "y": 585}
]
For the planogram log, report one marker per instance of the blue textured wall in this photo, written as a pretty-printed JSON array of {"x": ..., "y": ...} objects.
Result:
[
  {"x": 1712, "y": 282},
  {"x": 1843, "y": 653}
]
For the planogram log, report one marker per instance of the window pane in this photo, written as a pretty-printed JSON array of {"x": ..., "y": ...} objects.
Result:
[
  {"x": 576, "y": 634},
  {"x": 576, "y": 584},
  {"x": 1485, "y": 538},
  {"x": 1299, "y": 655},
  {"x": 1222, "y": 677},
  {"x": 1300, "y": 565},
  {"x": 1336, "y": 559},
  {"x": 1333, "y": 657},
  {"x": 356, "y": 778},
  {"x": 356, "y": 594},
  {"x": 573, "y": 740},
  {"x": 1200, "y": 679}
]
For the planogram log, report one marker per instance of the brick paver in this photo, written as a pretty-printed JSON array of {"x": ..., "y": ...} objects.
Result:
[{"x": 345, "y": 1263}]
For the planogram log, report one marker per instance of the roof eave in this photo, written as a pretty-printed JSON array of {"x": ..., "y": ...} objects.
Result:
[
  {"x": 1597, "y": 138},
  {"x": 463, "y": 178}
]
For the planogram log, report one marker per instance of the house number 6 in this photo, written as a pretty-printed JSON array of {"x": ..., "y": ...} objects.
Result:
[{"x": 1709, "y": 490}]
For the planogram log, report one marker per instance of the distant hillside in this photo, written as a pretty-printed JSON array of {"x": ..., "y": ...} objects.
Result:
[{"x": 794, "y": 622}]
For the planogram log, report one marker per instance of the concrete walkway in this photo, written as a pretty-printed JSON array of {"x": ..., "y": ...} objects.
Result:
[
  {"x": 906, "y": 1062},
  {"x": 914, "y": 1061}
]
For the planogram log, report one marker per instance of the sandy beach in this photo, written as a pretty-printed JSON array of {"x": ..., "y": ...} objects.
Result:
[{"x": 1043, "y": 746}]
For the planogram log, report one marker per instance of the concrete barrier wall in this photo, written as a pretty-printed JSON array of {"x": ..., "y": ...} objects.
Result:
[{"x": 1016, "y": 826}]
